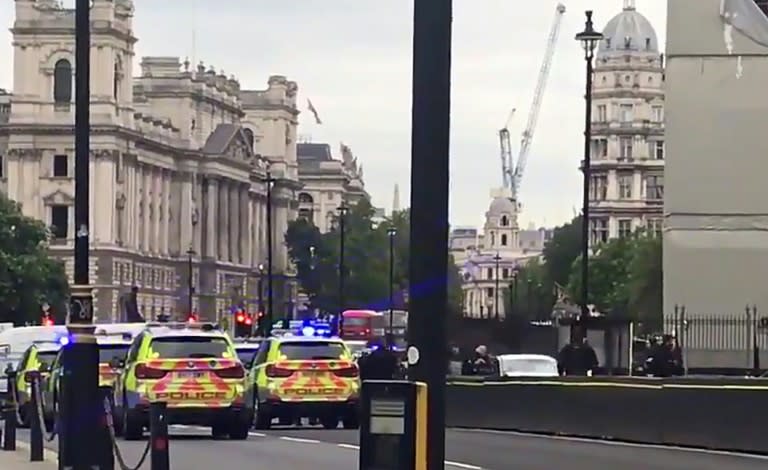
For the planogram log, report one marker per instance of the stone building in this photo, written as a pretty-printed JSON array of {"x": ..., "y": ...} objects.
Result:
[
  {"x": 327, "y": 182},
  {"x": 627, "y": 160},
  {"x": 496, "y": 254},
  {"x": 179, "y": 159}
]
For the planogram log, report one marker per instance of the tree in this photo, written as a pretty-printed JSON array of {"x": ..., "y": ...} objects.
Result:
[
  {"x": 29, "y": 277},
  {"x": 366, "y": 260},
  {"x": 561, "y": 250},
  {"x": 625, "y": 276},
  {"x": 530, "y": 296}
]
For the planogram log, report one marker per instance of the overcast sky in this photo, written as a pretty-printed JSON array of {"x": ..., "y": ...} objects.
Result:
[{"x": 352, "y": 58}]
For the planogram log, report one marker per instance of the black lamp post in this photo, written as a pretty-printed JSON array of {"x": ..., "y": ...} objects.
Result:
[
  {"x": 589, "y": 39},
  {"x": 496, "y": 260},
  {"x": 267, "y": 330},
  {"x": 260, "y": 294},
  {"x": 342, "y": 209},
  {"x": 391, "y": 232},
  {"x": 190, "y": 281},
  {"x": 513, "y": 288}
]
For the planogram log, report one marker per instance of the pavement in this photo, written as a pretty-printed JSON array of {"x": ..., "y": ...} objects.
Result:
[
  {"x": 192, "y": 448},
  {"x": 19, "y": 460}
]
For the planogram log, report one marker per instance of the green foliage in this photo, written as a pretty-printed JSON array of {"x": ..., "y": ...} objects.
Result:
[
  {"x": 366, "y": 260},
  {"x": 561, "y": 250},
  {"x": 530, "y": 295},
  {"x": 625, "y": 277},
  {"x": 28, "y": 276}
]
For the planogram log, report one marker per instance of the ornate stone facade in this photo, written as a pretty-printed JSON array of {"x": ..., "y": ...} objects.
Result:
[{"x": 179, "y": 159}]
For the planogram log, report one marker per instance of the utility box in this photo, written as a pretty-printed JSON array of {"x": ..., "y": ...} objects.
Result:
[{"x": 393, "y": 425}]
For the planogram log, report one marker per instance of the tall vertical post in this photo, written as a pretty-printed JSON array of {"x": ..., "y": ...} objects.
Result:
[
  {"x": 497, "y": 260},
  {"x": 391, "y": 336},
  {"x": 190, "y": 282},
  {"x": 589, "y": 38},
  {"x": 80, "y": 358},
  {"x": 270, "y": 286},
  {"x": 428, "y": 267},
  {"x": 343, "y": 209}
]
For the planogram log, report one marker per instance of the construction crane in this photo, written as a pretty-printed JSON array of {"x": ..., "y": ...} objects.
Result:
[{"x": 513, "y": 172}]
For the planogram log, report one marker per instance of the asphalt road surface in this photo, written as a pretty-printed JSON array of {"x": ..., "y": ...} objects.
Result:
[{"x": 318, "y": 449}]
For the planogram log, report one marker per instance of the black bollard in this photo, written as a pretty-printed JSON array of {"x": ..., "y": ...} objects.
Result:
[
  {"x": 80, "y": 407},
  {"x": 105, "y": 447},
  {"x": 158, "y": 435},
  {"x": 9, "y": 414},
  {"x": 35, "y": 429}
]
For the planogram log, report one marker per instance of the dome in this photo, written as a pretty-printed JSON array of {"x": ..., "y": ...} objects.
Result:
[
  {"x": 629, "y": 31},
  {"x": 502, "y": 205}
]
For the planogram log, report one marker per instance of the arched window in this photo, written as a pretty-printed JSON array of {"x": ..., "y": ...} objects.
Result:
[
  {"x": 62, "y": 82},
  {"x": 116, "y": 80},
  {"x": 249, "y": 137},
  {"x": 503, "y": 239},
  {"x": 504, "y": 220},
  {"x": 306, "y": 198}
]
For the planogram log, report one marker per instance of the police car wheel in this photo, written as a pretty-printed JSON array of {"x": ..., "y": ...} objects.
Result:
[
  {"x": 133, "y": 429},
  {"x": 238, "y": 430}
]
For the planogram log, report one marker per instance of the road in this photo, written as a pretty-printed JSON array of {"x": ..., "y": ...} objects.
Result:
[{"x": 318, "y": 449}]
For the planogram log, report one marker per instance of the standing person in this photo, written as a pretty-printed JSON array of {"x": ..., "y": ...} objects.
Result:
[
  {"x": 483, "y": 363},
  {"x": 577, "y": 358},
  {"x": 380, "y": 364}
]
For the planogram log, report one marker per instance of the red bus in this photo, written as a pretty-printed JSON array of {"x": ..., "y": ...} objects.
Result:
[{"x": 364, "y": 325}]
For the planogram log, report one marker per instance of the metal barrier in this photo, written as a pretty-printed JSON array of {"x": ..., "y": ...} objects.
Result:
[
  {"x": 722, "y": 414},
  {"x": 113, "y": 439}
]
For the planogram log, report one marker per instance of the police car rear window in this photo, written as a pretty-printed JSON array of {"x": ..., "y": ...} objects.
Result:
[
  {"x": 311, "y": 350},
  {"x": 107, "y": 352},
  {"x": 47, "y": 357},
  {"x": 189, "y": 347},
  {"x": 356, "y": 321}
]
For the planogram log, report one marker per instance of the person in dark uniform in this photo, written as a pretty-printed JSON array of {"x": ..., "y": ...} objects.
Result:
[
  {"x": 380, "y": 364},
  {"x": 577, "y": 358}
]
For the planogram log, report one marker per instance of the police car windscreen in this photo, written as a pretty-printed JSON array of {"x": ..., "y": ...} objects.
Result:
[
  {"x": 47, "y": 357},
  {"x": 108, "y": 352},
  {"x": 311, "y": 350},
  {"x": 183, "y": 347},
  {"x": 356, "y": 321}
]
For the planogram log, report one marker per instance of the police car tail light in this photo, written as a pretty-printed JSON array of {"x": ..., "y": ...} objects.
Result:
[
  {"x": 278, "y": 372},
  {"x": 234, "y": 372},
  {"x": 146, "y": 372},
  {"x": 351, "y": 371}
]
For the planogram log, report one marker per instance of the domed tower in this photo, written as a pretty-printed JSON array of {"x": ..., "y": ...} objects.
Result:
[
  {"x": 501, "y": 230},
  {"x": 627, "y": 170}
]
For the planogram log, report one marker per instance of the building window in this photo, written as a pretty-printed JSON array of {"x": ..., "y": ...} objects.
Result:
[
  {"x": 625, "y": 228},
  {"x": 2, "y": 172},
  {"x": 654, "y": 227},
  {"x": 657, "y": 150},
  {"x": 602, "y": 113},
  {"x": 249, "y": 137},
  {"x": 504, "y": 221},
  {"x": 60, "y": 221},
  {"x": 625, "y": 185},
  {"x": 116, "y": 81},
  {"x": 600, "y": 149},
  {"x": 489, "y": 291},
  {"x": 598, "y": 231},
  {"x": 658, "y": 114},
  {"x": 489, "y": 273},
  {"x": 503, "y": 239},
  {"x": 654, "y": 187},
  {"x": 62, "y": 82},
  {"x": 60, "y": 166},
  {"x": 626, "y": 147},
  {"x": 598, "y": 188},
  {"x": 627, "y": 113},
  {"x": 505, "y": 272}
]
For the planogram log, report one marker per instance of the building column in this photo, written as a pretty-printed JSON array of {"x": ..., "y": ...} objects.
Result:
[
  {"x": 245, "y": 223},
  {"x": 166, "y": 229},
  {"x": 253, "y": 230},
  {"x": 223, "y": 220},
  {"x": 210, "y": 218},
  {"x": 147, "y": 188},
  {"x": 234, "y": 223}
]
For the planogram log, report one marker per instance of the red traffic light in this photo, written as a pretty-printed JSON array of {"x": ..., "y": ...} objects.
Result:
[
  {"x": 248, "y": 320},
  {"x": 240, "y": 318},
  {"x": 47, "y": 321},
  {"x": 192, "y": 318}
]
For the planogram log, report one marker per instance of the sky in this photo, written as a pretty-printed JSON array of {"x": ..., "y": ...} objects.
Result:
[{"x": 352, "y": 58}]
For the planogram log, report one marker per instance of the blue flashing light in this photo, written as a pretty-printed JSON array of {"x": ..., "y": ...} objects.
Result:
[
  {"x": 64, "y": 340},
  {"x": 308, "y": 331}
]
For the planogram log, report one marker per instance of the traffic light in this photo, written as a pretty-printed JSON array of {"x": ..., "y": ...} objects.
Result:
[
  {"x": 47, "y": 320},
  {"x": 193, "y": 318},
  {"x": 243, "y": 324}
]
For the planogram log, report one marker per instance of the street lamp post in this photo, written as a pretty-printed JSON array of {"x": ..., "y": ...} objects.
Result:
[
  {"x": 391, "y": 232},
  {"x": 190, "y": 281},
  {"x": 589, "y": 39},
  {"x": 260, "y": 294},
  {"x": 269, "y": 180},
  {"x": 342, "y": 209},
  {"x": 496, "y": 260}
]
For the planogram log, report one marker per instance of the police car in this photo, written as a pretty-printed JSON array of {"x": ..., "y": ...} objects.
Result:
[
  {"x": 194, "y": 368},
  {"x": 305, "y": 373},
  {"x": 38, "y": 358}
]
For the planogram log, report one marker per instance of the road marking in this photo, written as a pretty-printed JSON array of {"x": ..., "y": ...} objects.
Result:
[
  {"x": 298, "y": 439},
  {"x": 349, "y": 446},
  {"x": 257, "y": 434},
  {"x": 463, "y": 465},
  {"x": 584, "y": 440}
]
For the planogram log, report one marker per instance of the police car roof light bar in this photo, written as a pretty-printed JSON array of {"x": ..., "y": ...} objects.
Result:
[{"x": 204, "y": 326}]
